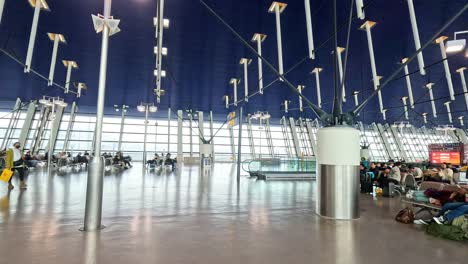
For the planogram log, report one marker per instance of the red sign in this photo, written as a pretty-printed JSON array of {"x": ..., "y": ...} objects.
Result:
[{"x": 445, "y": 157}]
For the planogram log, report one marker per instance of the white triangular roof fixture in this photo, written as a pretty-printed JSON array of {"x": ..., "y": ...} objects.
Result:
[{"x": 99, "y": 21}]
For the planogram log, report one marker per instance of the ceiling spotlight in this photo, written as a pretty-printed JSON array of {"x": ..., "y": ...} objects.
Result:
[
  {"x": 456, "y": 45},
  {"x": 141, "y": 108},
  {"x": 153, "y": 109}
]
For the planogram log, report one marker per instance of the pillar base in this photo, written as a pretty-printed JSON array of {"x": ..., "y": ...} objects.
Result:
[
  {"x": 338, "y": 173},
  {"x": 93, "y": 210}
]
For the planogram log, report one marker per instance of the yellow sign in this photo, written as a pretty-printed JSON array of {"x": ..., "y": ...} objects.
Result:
[{"x": 232, "y": 119}]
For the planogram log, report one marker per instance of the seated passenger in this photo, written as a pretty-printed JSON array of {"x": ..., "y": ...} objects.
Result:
[
  {"x": 395, "y": 172},
  {"x": 170, "y": 161},
  {"x": 29, "y": 160},
  {"x": 446, "y": 174},
  {"x": 416, "y": 172},
  {"x": 384, "y": 179}
]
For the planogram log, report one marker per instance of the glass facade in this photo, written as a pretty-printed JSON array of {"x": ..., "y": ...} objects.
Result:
[{"x": 277, "y": 139}]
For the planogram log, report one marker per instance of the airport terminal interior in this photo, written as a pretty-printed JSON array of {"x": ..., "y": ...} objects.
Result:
[{"x": 203, "y": 131}]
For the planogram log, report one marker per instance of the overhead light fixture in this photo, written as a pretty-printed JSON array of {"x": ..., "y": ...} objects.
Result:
[
  {"x": 141, "y": 108},
  {"x": 166, "y": 22},
  {"x": 163, "y": 73},
  {"x": 45, "y": 101},
  {"x": 153, "y": 109},
  {"x": 456, "y": 45},
  {"x": 164, "y": 51}
]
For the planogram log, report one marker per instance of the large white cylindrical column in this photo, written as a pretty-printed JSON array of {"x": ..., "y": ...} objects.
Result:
[{"x": 338, "y": 158}]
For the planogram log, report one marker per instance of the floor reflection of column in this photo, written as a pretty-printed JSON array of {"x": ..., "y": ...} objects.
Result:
[
  {"x": 91, "y": 250},
  {"x": 5, "y": 208},
  {"x": 345, "y": 242},
  {"x": 118, "y": 198},
  {"x": 178, "y": 180}
]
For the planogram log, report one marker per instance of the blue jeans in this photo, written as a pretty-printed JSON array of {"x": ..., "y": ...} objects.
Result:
[{"x": 456, "y": 210}]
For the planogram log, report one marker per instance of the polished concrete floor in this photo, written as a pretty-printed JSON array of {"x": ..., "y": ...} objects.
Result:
[{"x": 193, "y": 217}]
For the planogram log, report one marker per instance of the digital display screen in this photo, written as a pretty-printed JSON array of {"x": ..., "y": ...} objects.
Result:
[{"x": 445, "y": 157}]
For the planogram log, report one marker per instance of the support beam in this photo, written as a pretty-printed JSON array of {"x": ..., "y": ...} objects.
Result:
[
  {"x": 417, "y": 42},
  {"x": 93, "y": 210},
  {"x": 259, "y": 38},
  {"x": 251, "y": 139},
  {"x": 212, "y": 137},
  {"x": 449, "y": 111},
  {"x": 191, "y": 133},
  {"x": 180, "y": 151},
  {"x": 399, "y": 143},
  {"x": 317, "y": 71},
  {"x": 405, "y": 106},
  {"x": 57, "y": 120},
  {"x": 70, "y": 65},
  {"x": 234, "y": 82},
  {"x": 233, "y": 147},
  {"x": 310, "y": 132},
  {"x": 448, "y": 75},
  {"x": 122, "y": 125},
  {"x": 169, "y": 130},
  {"x": 431, "y": 96},
  {"x": 36, "y": 144},
  {"x": 201, "y": 128},
  {"x": 360, "y": 9},
  {"x": 297, "y": 145},
  {"x": 408, "y": 83},
  {"x": 310, "y": 35},
  {"x": 10, "y": 127},
  {"x": 367, "y": 26},
  {"x": 269, "y": 138},
  {"x": 277, "y": 8},
  {"x": 2, "y": 5},
  {"x": 245, "y": 62},
  {"x": 463, "y": 83},
  {"x": 38, "y": 5},
  {"x": 56, "y": 38},
  {"x": 340, "y": 50},
  {"x": 384, "y": 138},
  {"x": 27, "y": 123},
  {"x": 71, "y": 123},
  {"x": 239, "y": 146}
]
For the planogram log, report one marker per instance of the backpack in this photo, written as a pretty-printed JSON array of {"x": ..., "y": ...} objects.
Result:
[
  {"x": 446, "y": 231},
  {"x": 405, "y": 216},
  {"x": 462, "y": 222}
]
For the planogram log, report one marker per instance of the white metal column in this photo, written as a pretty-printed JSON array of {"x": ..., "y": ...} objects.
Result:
[
  {"x": 180, "y": 153},
  {"x": 27, "y": 123},
  {"x": 296, "y": 142}
]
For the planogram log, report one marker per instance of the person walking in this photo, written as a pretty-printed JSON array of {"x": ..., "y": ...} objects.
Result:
[{"x": 15, "y": 162}]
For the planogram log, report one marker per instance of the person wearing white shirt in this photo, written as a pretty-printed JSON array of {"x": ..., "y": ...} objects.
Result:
[
  {"x": 446, "y": 174},
  {"x": 15, "y": 162}
]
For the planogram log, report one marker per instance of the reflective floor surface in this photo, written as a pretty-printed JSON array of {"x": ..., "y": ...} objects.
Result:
[{"x": 192, "y": 217}]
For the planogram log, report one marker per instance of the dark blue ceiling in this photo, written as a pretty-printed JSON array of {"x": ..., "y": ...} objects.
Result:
[{"x": 204, "y": 55}]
